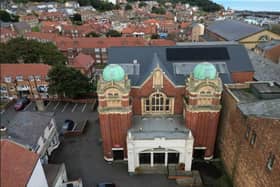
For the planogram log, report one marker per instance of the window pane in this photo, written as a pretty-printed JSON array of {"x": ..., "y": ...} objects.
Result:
[
  {"x": 153, "y": 101},
  {"x": 167, "y": 108},
  {"x": 167, "y": 101},
  {"x": 161, "y": 100},
  {"x": 147, "y": 101}
]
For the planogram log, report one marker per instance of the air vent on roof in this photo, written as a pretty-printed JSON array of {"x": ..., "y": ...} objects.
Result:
[{"x": 135, "y": 61}]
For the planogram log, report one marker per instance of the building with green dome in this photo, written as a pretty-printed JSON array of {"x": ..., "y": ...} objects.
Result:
[
  {"x": 205, "y": 70},
  {"x": 161, "y": 105},
  {"x": 113, "y": 72}
]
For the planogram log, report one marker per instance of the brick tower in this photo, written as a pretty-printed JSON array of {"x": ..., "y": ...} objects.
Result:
[
  {"x": 202, "y": 108},
  {"x": 114, "y": 110}
]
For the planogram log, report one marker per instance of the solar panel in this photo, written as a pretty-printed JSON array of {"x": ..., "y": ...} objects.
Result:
[{"x": 197, "y": 54}]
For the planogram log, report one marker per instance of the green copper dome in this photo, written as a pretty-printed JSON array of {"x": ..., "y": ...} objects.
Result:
[
  {"x": 204, "y": 71},
  {"x": 113, "y": 72}
]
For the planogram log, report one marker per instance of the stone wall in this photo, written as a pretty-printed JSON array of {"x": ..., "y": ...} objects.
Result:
[{"x": 245, "y": 163}]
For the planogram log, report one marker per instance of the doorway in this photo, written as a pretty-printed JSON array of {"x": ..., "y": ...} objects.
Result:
[
  {"x": 118, "y": 155},
  {"x": 159, "y": 158},
  {"x": 199, "y": 154}
]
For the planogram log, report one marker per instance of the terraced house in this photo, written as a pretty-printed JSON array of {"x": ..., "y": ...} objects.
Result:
[{"x": 24, "y": 80}]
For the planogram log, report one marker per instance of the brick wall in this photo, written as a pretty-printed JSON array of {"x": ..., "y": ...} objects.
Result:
[
  {"x": 246, "y": 163},
  {"x": 204, "y": 128},
  {"x": 147, "y": 89},
  {"x": 113, "y": 130},
  {"x": 240, "y": 77},
  {"x": 273, "y": 54}
]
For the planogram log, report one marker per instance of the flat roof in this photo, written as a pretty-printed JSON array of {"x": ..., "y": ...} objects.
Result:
[
  {"x": 263, "y": 108},
  {"x": 150, "y": 127},
  {"x": 27, "y": 127}
]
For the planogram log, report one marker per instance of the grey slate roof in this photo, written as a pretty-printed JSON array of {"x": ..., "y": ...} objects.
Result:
[
  {"x": 27, "y": 127},
  {"x": 233, "y": 30},
  {"x": 264, "y": 108},
  {"x": 265, "y": 69},
  {"x": 21, "y": 27},
  {"x": 139, "y": 62}
]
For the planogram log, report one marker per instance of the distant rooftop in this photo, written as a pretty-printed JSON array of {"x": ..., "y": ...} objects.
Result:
[
  {"x": 158, "y": 127},
  {"x": 233, "y": 30}
]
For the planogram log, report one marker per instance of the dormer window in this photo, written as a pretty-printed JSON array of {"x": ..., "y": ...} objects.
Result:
[
  {"x": 31, "y": 78},
  {"x": 8, "y": 79},
  {"x": 19, "y": 78},
  {"x": 38, "y": 78}
]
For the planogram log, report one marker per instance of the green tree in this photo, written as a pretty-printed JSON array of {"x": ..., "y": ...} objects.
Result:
[
  {"x": 6, "y": 17},
  {"x": 142, "y": 4},
  {"x": 128, "y": 7},
  {"x": 68, "y": 82},
  {"x": 93, "y": 34},
  {"x": 113, "y": 33},
  {"x": 158, "y": 10},
  {"x": 20, "y": 50},
  {"x": 155, "y": 36}
]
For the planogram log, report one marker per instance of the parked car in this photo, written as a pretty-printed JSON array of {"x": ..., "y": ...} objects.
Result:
[
  {"x": 21, "y": 103},
  {"x": 106, "y": 184},
  {"x": 68, "y": 125}
]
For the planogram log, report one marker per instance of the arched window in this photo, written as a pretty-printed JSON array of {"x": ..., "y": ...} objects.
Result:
[
  {"x": 264, "y": 38},
  {"x": 157, "y": 103}
]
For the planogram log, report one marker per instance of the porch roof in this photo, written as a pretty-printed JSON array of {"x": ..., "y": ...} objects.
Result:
[{"x": 151, "y": 127}]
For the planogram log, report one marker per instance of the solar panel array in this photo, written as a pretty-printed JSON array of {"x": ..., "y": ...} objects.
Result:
[{"x": 197, "y": 54}]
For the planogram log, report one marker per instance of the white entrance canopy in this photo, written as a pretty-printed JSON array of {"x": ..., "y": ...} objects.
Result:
[{"x": 159, "y": 137}]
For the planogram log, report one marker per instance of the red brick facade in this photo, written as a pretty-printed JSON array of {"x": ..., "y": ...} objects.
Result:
[
  {"x": 113, "y": 130},
  {"x": 147, "y": 89},
  {"x": 203, "y": 122},
  {"x": 240, "y": 77},
  {"x": 204, "y": 129},
  {"x": 245, "y": 163}
]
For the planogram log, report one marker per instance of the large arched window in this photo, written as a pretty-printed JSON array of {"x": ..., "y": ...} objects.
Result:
[{"x": 157, "y": 103}]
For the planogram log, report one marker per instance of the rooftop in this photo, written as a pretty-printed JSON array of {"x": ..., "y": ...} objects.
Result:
[
  {"x": 27, "y": 127},
  {"x": 265, "y": 70},
  {"x": 17, "y": 164},
  {"x": 24, "y": 70},
  {"x": 233, "y": 30},
  {"x": 158, "y": 127},
  {"x": 179, "y": 61},
  {"x": 259, "y": 99},
  {"x": 265, "y": 108}
]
